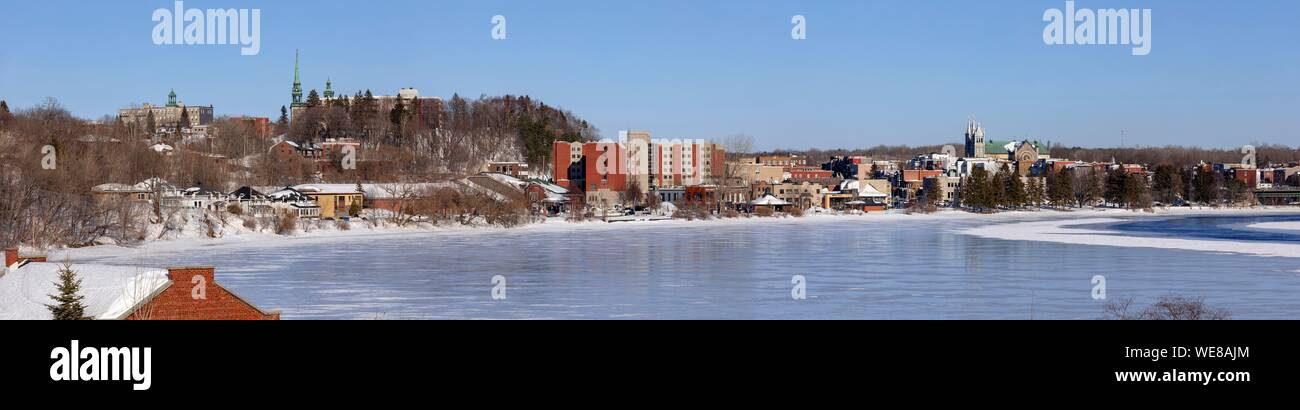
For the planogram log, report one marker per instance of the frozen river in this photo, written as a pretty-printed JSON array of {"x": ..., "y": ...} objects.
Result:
[{"x": 895, "y": 267}]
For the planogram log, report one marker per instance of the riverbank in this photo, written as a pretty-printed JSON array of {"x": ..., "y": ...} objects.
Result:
[{"x": 365, "y": 230}]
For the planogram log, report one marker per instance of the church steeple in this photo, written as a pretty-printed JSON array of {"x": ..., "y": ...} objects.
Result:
[
  {"x": 171, "y": 99},
  {"x": 329, "y": 90},
  {"x": 297, "y": 85}
]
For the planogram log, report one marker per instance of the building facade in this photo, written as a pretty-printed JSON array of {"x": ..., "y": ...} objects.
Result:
[{"x": 168, "y": 115}]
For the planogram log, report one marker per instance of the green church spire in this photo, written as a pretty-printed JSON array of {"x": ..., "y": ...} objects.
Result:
[
  {"x": 171, "y": 99},
  {"x": 297, "y": 85},
  {"x": 329, "y": 90}
]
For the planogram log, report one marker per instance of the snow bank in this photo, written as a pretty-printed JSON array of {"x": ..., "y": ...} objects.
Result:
[
  {"x": 189, "y": 231},
  {"x": 1060, "y": 231},
  {"x": 109, "y": 291},
  {"x": 1285, "y": 226}
]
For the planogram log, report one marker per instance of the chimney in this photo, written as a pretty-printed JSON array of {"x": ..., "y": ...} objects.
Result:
[
  {"x": 187, "y": 274},
  {"x": 11, "y": 256}
]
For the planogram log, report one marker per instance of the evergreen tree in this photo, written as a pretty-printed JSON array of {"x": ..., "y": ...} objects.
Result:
[
  {"x": 1114, "y": 192},
  {"x": 185, "y": 119},
  {"x": 1135, "y": 194},
  {"x": 68, "y": 304},
  {"x": 151, "y": 123},
  {"x": 1094, "y": 191},
  {"x": 355, "y": 209},
  {"x": 313, "y": 99},
  {"x": 1060, "y": 188},
  {"x": 1013, "y": 193},
  {"x": 1035, "y": 192},
  {"x": 5, "y": 115},
  {"x": 975, "y": 192},
  {"x": 398, "y": 114},
  {"x": 1207, "y": 188},
  {"x": 1166, "y": 183},
  {"x": 998, "y": 188},
  {"x": 537, "y": 140},
  {"x": 282, "y": 124}
]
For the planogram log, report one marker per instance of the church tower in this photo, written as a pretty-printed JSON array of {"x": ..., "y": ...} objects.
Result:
[
  {"x": 297, "y": 85},
  {"x": 974, "y": 139},
  {"x": 329, "y": 90}
]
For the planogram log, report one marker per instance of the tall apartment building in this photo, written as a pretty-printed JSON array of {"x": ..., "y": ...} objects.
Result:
[{"x": 605, "y": 170}]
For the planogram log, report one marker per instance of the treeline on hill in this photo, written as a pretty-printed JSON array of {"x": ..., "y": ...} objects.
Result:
[
  {"x": 1172, "y": 155},
  {"x": 428, "y": 136},
  {"x": 47, "y": 191}
]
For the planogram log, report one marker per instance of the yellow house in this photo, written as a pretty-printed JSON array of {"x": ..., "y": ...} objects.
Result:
[{"x": 335, "y": 200}]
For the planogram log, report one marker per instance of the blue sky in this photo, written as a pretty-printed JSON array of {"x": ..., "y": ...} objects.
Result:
[{"x": 1219, "y": 74}]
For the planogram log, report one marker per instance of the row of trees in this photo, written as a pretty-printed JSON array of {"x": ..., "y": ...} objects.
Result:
[
  {"x": 1004, "y": 189},
  {"x": 1088, "y": 187},
  {"x": 455, "y": 136}
]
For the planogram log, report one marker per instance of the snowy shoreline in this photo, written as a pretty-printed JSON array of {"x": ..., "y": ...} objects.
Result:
[
  {"x": 1013, "y": 225},
  {"x": 1065, "y": 231}
]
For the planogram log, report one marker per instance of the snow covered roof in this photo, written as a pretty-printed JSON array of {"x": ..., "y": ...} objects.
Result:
[
  {"x": 147, "y": 185},
  {"x": 508, "y": 179},
  {"x": 864, "y": 190},
  {"x": 768, "y": 200},
  {"x": 869, "y": 191},
  {"x": 160, "y": 147},
  {"x": 113, "y": 187},
  {"x": 286, "y": 194},
  {"x": 327, "y": 189},
  {"x": 158, "y": 183},
  {"x": 110, "y": 292},
  {"x": 404, "y": 189}
]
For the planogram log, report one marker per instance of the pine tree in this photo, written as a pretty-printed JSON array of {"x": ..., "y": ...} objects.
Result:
[
  {"x": 5, "y": 115},
  {"x": 1167, "y": 183},
  {"x": 1207, "y": 188},
  {"x": 68, "y": 304},
  {"x": 397, "y": 114},
  {"x": 1094, "y": 192},
  {"x": 998, "y": 188},
  {"x": 1114, "y": 192},
  {"x": 1060, "y": 188},
  {"x": 1035, "y": 192},
  {"x": 283, "y": 123},
  {"x": 975, "y": 192},
  {"x": 185, "y": 119},
  {"x": 313, "y": 99},
  {"x": 355, "y": 208},
  {"x": 1014, "y": 194},
  {"x": 152, "y": 123},
  {"x": 1135, "y": 194}
]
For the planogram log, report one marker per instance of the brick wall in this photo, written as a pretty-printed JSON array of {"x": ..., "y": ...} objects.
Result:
[{"x": 178, "y": 302}]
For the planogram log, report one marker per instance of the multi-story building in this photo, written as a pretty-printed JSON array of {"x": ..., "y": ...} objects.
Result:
[
  {"x": 168, "y": 115},
  {"x": 782, "y": 160},
  {"x": 605, "y": 170}
]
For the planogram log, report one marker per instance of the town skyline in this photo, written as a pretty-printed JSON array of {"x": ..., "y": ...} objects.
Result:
[{"x": 723, "y": 70}]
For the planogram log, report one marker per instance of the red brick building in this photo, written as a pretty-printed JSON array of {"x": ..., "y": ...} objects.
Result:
[
  {"x": 123, "y": 293},
  {"x": 178, "y": 300},
  {"x": 808, "y": 173}
]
